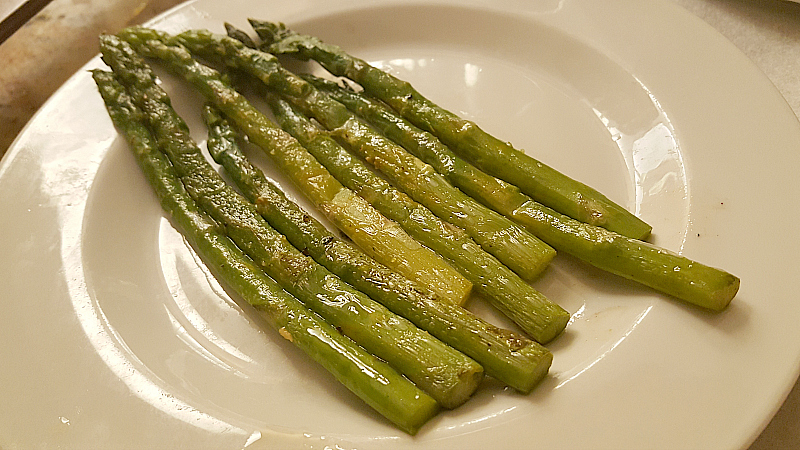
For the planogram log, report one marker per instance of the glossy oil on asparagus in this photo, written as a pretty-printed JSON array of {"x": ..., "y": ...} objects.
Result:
[{"x": 528, "y": 308}]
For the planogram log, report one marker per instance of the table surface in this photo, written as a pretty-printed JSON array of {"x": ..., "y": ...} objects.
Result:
[{"x": 767, "y": 31}]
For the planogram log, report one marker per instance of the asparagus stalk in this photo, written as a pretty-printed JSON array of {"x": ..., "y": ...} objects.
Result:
[
  {"x": 372, "y": 380},
  {"x": 528, "y": 308},
  {"x": 492, "y": 155},
  {"x": 506, "y": 356},
  {"x": 382, "y": 239},
  {"x": 636, "y": 260},
  {"x": 447, "y": 375},
  {"x": 518, "y": 249}
]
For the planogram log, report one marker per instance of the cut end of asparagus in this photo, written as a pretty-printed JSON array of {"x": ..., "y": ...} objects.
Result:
[
  {"x": 720, "y": 298},
  {"x": 642, "y": 229},
  {"x": 408, "y": 411},
  {"x": 543, "y": 362},
  {"x": 556, "y": 325},
  {"x": 679, "y": 276},
  {"x": 536, "y": 267},
  {"x": 363, "y": 223},
  {"x": 549, "y": 321},
  {"x": 423, "y": 412},
  {"x": 461, "y": 392}
]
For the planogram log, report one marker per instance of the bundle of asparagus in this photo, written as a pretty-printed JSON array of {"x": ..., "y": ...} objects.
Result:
[
  {"x": 446, "y": 190},
  {"x": 505, "y": 355},
  {"x": 555, "y": 200},
  {"x": 631, "y": 258},
  {"x": 448, "y": 375},
  {"x": 493, "y": 155},
  {"x": 533, "y": 312},
  {"x": 374, "y": 381}
]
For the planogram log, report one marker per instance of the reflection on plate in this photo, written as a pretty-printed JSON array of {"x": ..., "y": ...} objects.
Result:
[{"x": 115, "y": 333}]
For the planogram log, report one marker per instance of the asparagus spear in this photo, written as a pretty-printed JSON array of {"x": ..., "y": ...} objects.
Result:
[
  {"x": 539, "y": 317},
  {"x": 447, "y": 375},
  {"x": 636, "y": 260},
  {"x": 506, "y": 356},
  {"x": 492, "y": 155},
  {"x": 518, "y": 249},
  {"x": 372, "y": 380},
  {"x": 528, "y": 308}
]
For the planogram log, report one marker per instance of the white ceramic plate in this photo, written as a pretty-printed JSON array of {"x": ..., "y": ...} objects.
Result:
[{"x": 114, "y": 335}]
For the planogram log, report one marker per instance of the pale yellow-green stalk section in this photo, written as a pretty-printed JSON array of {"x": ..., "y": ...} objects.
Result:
[{"x": 380, "y": 238}]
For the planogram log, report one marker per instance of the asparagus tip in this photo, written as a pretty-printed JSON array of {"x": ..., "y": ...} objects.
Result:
[{"x": 240, "y": 35}]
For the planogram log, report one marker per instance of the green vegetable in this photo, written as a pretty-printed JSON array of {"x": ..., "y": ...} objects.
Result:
[
  {"x": 529, "y": 309},
  {"x": 370, "y": 379},
  {"x": 507, "y": 356},
  {"x": 670, "y": 273},
  {"x": 535, "y": 314},
  {"x": 517, "y": 248},
  {"x": 492, "y": 155},
  {"x": 446, "y": 374},
  {"x": 379, "y": 237}
]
